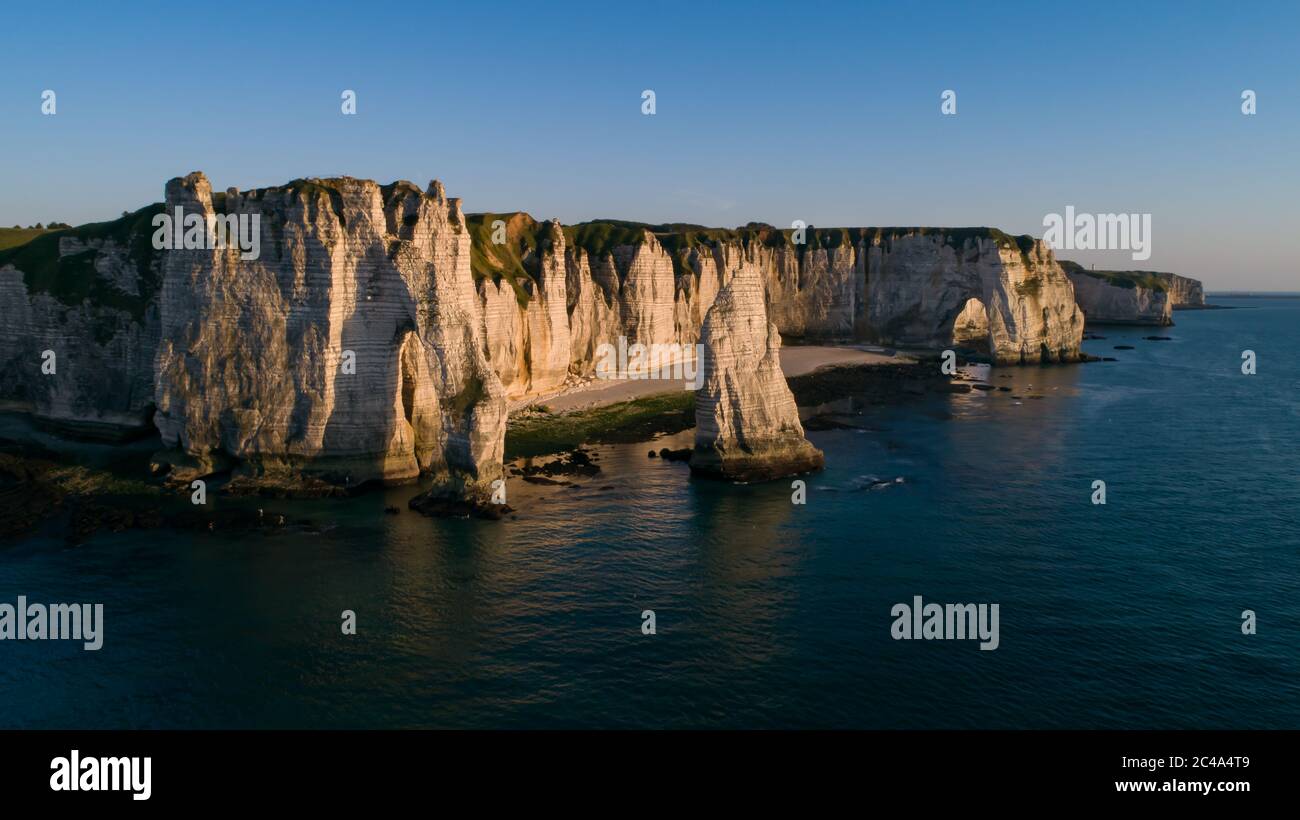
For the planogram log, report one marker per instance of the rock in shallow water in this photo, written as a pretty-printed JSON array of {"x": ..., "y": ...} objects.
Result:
[{"x": 451, "y": 504}]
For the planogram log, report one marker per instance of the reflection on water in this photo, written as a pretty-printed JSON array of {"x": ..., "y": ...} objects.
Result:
[{"x": 768, "y": 613}]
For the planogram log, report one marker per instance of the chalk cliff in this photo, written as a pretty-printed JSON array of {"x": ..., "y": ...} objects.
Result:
[
  {"x": 86, "y": 295},
  {"x": 746, "y": 422},
  {"x": 380, "y": 332},
  {"x": 979, "y": 289},
  {"x": 1005, "y": 297},
  {"x": 520, "y": 278},
  {"x": 1121, "y": 297},
  {"x": 351, "y": 350},
  {"x": 1184, "y": 292}
]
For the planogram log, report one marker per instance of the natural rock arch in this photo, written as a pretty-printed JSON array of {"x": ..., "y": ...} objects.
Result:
[{"x": 970, "y": 327}]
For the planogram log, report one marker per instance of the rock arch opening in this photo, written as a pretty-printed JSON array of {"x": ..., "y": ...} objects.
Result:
[{"x": 970, "y": 328}]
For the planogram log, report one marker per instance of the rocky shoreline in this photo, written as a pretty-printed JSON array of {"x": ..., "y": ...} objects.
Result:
[
  {"x": 44, "y": 492},
  {"x": 381, "y": 336},
  {"x": 381, "y": 333}
]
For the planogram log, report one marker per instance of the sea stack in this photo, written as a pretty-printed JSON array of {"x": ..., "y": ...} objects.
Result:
[{"x": 746, "y": 422}]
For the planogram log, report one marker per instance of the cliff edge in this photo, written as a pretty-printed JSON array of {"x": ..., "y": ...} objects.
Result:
[{"x": 1132, "y": 297}]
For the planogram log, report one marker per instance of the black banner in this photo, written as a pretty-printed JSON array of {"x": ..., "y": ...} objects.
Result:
[{"x": 130, "y": 770}]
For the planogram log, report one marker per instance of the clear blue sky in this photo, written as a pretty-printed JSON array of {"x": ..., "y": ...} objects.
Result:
[{"x": 825, "y": 112}]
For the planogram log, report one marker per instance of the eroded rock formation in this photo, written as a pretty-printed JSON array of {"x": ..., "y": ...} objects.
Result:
[
  {"x": 1184, "y": 292},
  {"x": 746, "y": 422},
  {"x": 1004, "y": 296},
  {"x": 444, "y": 317},
  {"x": 350, "y": 351},
  {"x": 999, "y": 296}
]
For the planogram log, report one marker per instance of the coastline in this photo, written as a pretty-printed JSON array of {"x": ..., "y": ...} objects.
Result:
[
  {"x": 796, "y": 360},
  {"x": 47, "y": 489},
  {"x": 642, "y": 410},
  {"x": 548, "y": 441}
]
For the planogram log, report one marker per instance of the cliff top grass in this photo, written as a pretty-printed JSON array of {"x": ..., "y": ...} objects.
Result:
[
  {"x": 517, "y": 260},
  {"x": 71, "y": 279},
  {"x": 602, "y": 236},
  {"x": 13, "y": 237},
  {"x": 313, "y": 189},
  {"x": 680, "y": 239},
  {"x": 1128, "y": 279}
]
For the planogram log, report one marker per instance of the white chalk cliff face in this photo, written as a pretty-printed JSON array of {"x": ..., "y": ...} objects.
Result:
[
  {"x": 342, "y": 266},
  {"x": 746, "y": 422},
  {"x": 380, "y": 331},
  {"x": 999, "y": 296},
  {"x": 525, "y": 322},
  {"x": 351, "y": 350},
  {"x": 1005, "y": 297},
  {"x": 1106, "y": 303},
  {"x": 629, "y": 291},
  {"x": 79, "y": 328},
  {"x": 1184, "y": 292}
]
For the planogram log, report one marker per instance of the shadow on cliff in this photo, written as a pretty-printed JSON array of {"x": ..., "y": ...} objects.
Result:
[{"x": 376, "y": 331}]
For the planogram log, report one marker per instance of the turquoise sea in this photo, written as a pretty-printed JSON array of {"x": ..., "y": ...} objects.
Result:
[{"x": 768, "y": 614}]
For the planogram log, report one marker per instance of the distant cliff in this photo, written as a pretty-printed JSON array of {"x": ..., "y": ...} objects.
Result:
[
  {"x": 1183, "y": 291},
  {"x": 1120, "y": 297},
  {"x": 1132, "y": 297},
  {"x": 1001, "y": 296}
]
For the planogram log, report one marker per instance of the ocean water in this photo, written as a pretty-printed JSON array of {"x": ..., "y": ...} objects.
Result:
[{"x": 768, "y": 614}]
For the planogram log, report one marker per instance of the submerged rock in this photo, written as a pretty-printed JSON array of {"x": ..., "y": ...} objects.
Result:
[
  {"x": 448, "y": 503},
  {"x": 577, "y": 462},
  {"x": 747, "y": 424}
]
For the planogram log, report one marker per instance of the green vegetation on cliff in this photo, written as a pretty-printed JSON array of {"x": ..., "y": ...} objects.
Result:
[
  {"x": 517, "y": 259},
  {"x": 1128, "y": 279},
  {"x": 13, "y": 237},
  {"x": 602, "y": 236},
  {"x": 680, "y": 240},
  {"x": 72, "y": 279},
  {"x": 625, "y": 422}
]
